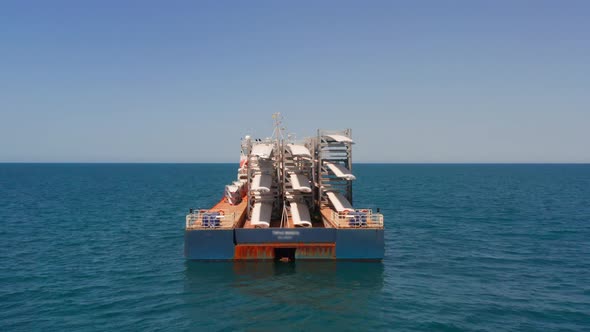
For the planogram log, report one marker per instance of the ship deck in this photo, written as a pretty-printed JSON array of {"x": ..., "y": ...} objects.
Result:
[
  {"x": 277, "y": 224},
  {"x": 328, "y": 215},
  {"x": 234, "y": 214}
]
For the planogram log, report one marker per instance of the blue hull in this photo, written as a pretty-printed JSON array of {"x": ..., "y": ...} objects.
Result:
[
  {"x": 209, "y": 244},
  {"x": 302, "y": 243}
]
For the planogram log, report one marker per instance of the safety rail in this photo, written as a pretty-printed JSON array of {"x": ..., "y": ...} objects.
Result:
[
  {"x": 198, "y": 219},
  {"x": 359, "y": 218}
]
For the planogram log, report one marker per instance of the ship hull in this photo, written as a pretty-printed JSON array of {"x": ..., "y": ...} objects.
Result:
[
  {"x": 284, "y": 243},
  {"x": 209, "y": 244}
]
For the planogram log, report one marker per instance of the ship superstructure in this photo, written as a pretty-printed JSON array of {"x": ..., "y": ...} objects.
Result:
[{"x": 291, "y": 200}]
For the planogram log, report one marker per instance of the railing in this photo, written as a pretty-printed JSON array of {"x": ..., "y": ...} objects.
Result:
[
  {"x": 359, "y": 218},
  {"x": 198, "y": 219}
]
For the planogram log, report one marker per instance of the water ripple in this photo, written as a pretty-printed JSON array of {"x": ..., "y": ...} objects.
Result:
[{"x": 468, "y": 247}]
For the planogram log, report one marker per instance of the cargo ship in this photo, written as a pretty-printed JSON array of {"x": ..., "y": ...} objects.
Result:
[{"x": 291, "y": 200}]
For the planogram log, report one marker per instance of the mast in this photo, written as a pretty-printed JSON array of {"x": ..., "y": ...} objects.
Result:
[{"x": 279, "y": 141}]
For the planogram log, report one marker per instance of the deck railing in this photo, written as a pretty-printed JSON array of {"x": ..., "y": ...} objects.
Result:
[
  {"x": 209, "y": 219},
  {"x": 359, "y": 218}
]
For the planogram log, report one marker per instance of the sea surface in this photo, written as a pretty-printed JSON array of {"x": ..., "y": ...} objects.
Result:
[{"x": 99, "y": 247}]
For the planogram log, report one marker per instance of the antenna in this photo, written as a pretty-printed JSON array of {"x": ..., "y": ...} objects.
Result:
[{"x": 278, "y": 130}]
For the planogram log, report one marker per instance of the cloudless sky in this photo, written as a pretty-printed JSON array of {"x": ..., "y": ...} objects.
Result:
[{"x": 183, "y": 81}]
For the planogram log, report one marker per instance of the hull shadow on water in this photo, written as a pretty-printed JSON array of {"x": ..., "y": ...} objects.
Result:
[{"x": 252, "y": 294}]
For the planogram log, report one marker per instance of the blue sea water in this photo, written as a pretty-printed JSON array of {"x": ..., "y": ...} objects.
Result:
[{"x": 99, "y": 247}]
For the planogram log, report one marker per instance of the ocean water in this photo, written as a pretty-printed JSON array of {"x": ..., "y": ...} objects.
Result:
[{"x": 99, "y": 247}]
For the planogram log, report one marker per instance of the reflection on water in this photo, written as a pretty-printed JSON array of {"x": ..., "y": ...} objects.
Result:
[
  {"x": 198, "y": 271},
  {"x": 257, "y": 293}
]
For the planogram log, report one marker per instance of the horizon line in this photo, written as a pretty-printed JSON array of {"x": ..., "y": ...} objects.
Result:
[{"x": 369, "y": 162}]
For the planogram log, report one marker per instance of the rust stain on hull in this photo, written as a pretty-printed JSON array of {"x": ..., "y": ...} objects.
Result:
[{"x": 302, "y": 250}]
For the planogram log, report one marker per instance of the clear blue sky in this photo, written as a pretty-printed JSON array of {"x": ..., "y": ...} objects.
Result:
[{"x": 183, "y": 81}]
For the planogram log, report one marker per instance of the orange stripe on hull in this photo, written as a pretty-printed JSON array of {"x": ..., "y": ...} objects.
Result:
[{"x": 302, "y": 250}]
